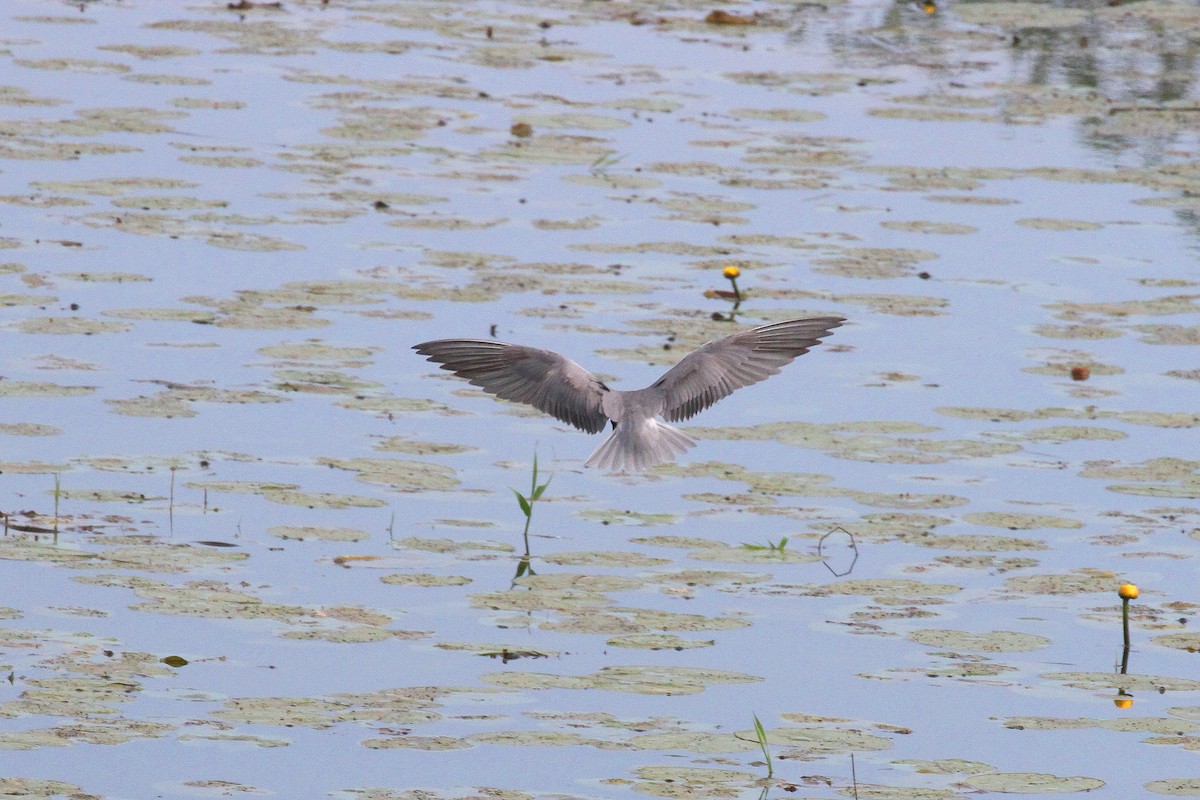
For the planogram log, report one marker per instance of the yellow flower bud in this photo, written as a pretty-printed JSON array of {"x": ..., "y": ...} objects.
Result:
[
  {"x": 1128, "y": 591},
  {"x": 731, "y": 272}
]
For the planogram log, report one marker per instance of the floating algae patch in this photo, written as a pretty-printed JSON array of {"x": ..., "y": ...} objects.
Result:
[
  {"x": 1020, "y": 522},
  {"x": 1177, "y": 419},
  {"x": 81, "y": 65},
  {"x": 317, "y": 351},
  {"x": 991, "y": 563},
  {"x": 211, "y": 599},
  {"x": 112, "y": 187},
  {"x": 604, "y": 558},
  {"x": 102, "y": 495},
  {"x": 644, "y": 248},
  {"x": 777, "y": 114},
  {"x": 945, "y": 766},
  {"x": 640, "y": 620},
  {"x": 1031, "y": 783},
  {"x": 75, "y": 696},
  {"x": 428, "y": 743},
  {"x": 562, "y": 600},
  {"x": 660, "y": 680},
  {"x": 559, "y": 581},
  {"x": 990, "y": 642},
  {"x": 315, "y": 532},
  {"x": 889, "y": 525},
  {"x": 872, "y": 263},
  {"x": 535, "y": 739},
  {"x": 1076, "y": 332},
  {"x": 424, "y": 580},
  {"x": 753, "y": 554},
  {"x": 742, "y": 501},
  {"x": 1189, "y": 642},
  {"x": 924, "y": 226},
  {"x": 1050, "y": 723},
  {"x": 399, "y": 406},
  {"x": 195, "y": 316},
  {"x": 239, "y": 487},
  {"x": 971, "y": 200},
  {"x": 558, "y": 149},
  {"x": 450, "y": 545},
  {"x": 806, "y": 484},
  {"x": 578, "y": 224},
  {"x": 12, "y": 300},
  {"x": 899, "y": 305},
  {"x": 1169, "y": 304},
  {"x": 32, "y": 467},
  {"x": 33, "y": 787},
  {"x": 1082, "y": 581},
  {"x": 320, "y": 382},
  {"x": 975, "y": 543},
  {"x": 103, "y": 277},
  {"x": 872, "y": 441},
  {"x": 811, "y": 741},
  {"x": 1177, "y": 787},
  {"x": 153, "y": 555},
  {"x": 592, "y": 122},
  {"x": 693, "y": 742},
  {"x": 28, "y": 429},
  {"x": 704, "y": 577},
  {"x": 412, "y": 447},
  {"x": 692, "y": 783},
  {"x": 25, "y": 548},
  {"x": 175, "y": 401},
  {"x": 614, "y": 517},
  {"x": 1097, "y": 681},
  {"x": 435, "y": 221},
  {"x": 504, "y": 652},
  {"x": 883, "y": 588},
  {"x": 229, "y": 739},
  {"x": 1074, "y": 433},
  {"x": 1164, "y": 725},
  {"x": 1059, "y": 224},
  {"x": 352, "y": 634},
  {"x": 1170, "y": 334},
  {"x": 678, "y": 542},
  {"x": 1158, "y": 477},
  {"x": 290, "y": 712},
  {"x": 657, "y": 641},
  {"x": 108, "y": 731},
  {"x": 41, "y": 389},
  {"x": 402, "y": 476},
  {"x": 296, "y": 497},
  {"x": 610, "y": 181}
]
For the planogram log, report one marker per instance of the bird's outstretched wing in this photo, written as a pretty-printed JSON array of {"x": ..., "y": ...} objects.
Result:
[
  {"x": 545, "y": 380},
  {"x": 721, "y": 367}
]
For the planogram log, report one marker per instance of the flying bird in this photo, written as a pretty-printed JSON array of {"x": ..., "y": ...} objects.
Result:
[{"x": 558, "y": 386}]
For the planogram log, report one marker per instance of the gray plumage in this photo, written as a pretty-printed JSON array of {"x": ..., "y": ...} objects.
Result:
[{"x": 560, "y": 387}]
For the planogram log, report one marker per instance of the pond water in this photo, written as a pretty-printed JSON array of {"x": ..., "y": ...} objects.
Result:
[{"x": 254, "y": 545}]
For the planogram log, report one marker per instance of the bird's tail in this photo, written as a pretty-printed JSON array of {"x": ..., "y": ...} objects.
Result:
[{"x": 638, "y": 444}]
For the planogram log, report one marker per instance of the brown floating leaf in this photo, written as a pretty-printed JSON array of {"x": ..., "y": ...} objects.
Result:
[{"x": 719, "y": 17}]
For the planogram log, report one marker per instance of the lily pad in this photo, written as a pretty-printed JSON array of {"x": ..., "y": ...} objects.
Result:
[
  {"x": 990, "y": 642},
  {"x": 1031, "y": 783}
]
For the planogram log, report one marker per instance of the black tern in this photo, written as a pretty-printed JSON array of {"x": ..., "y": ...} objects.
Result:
[{"x": 558, "y": 386}]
